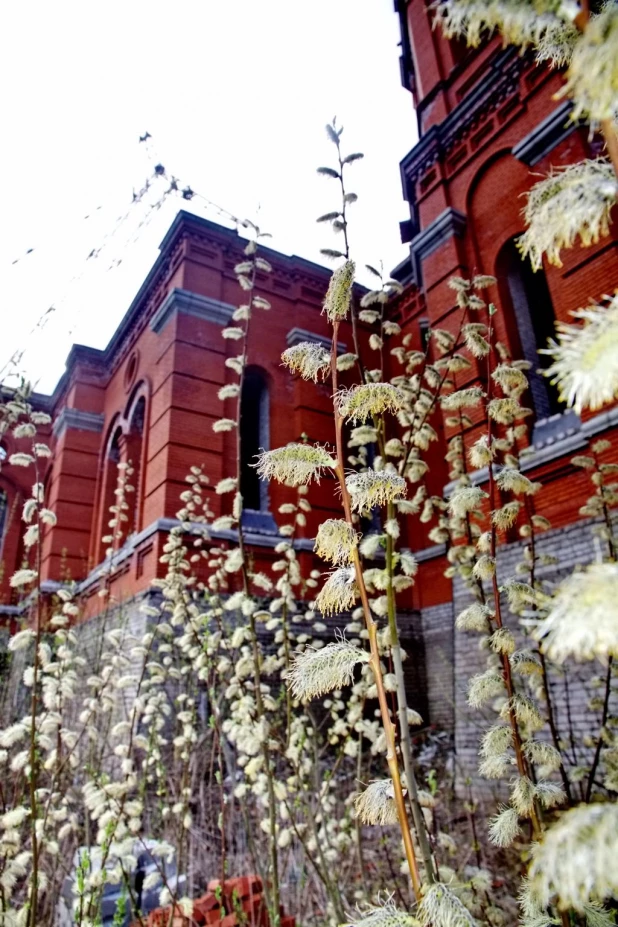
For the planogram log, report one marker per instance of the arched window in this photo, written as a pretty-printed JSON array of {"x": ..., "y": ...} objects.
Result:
[
  {"x": 254, "y": 435},
  {"x": 110, "y": 482},
  {"x": 527, "y": 294},
  {"x": 133, "y": 453}
]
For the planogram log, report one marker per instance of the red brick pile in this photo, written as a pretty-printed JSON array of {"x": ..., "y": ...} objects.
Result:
[{"x": 236, "y": 903}]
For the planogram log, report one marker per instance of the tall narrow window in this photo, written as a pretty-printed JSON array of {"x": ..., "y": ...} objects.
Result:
[
  {"x": 528, "y": 294},
  {"x": 254, "y": 435},
  {"x": 108, "y": 495},
  {"x": 133, "y": 453},
  {"x": 4, "y": 511},
  {"x": 423, "y": 327}
]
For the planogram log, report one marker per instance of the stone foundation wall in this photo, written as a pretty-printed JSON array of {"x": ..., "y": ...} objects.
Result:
[
  {"x": 439, "y": 642},
  {"x": 15, "y": 697},
  {"x": 570, "y": 687}
]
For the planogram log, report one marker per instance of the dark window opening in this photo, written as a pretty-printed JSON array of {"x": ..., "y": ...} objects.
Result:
[
  {"x": 134, "y": 455},
  {"x": 254, "y": 436},
  {"x": 533, "y": 312},
  {"x": 4, "y": 508},
  {"x": 423, "y": 325},
  {"x": 108, "y": 494}
]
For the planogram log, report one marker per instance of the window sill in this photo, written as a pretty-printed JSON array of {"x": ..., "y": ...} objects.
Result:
[
  {"x": 555, "y": 428},
  {"x": 259, "y": 522},
  {"x": 560, "y": 435}
]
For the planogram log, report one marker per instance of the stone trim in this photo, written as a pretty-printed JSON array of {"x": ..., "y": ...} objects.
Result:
[
  {"x": 260, "y": 522},
  {"x": 252, "y": 538},
  {"x": 502, "y": 81},
  {"x": 297, "y": 335},
  {"x": 450, "y": 223},
  {"x": 429, "y": 553},
  {"x": 188, "y": 303},
  {"x": 75, "y": 418},
  {"x": 600, "y": 422},
  {"x": 545, "y": 136},
  {"x": 564, "y": 443},
  {"x": 11, "y": 611}
]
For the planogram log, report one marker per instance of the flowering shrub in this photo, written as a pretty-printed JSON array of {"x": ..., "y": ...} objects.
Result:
[{"x": 189, "y": 724}]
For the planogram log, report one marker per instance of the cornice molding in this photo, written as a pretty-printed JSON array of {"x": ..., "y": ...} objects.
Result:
[
  {"x": 251, "y": 538},
  {"x": 188, "y": 303},
  {"x": 449, "y": 224},
  {"x": 546, "y": 135},
  {"x": 75, "y": 418},
  {"x": 429, "y": 553},
  {"x": 500, "y": 83}
]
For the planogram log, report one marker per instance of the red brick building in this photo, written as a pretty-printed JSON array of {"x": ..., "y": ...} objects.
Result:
[
  {"x": 488, "y": 123},
  {"x": 151, "y": 398}
]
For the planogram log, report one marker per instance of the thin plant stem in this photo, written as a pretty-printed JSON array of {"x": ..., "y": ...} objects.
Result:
[
  {"x": 544, "y": 674},
  {"x": 372, "y": 630},
  {"x": 402, "y": 709},
  {"x": 273, "y": 898},
  {"x": 522, "y": 766},
  {"x": 600, "y": 741},
  {"x": 34, "y": 759},
  {"x": 346, "y": 251},
  {"x": 357, "y": 823}
]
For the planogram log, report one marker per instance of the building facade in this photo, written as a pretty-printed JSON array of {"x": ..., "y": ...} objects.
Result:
[
  {"x": 488, "y": 124},
  {"x": 150, "y": 398}
]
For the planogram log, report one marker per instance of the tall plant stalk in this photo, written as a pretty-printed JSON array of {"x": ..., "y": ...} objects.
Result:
[
  {"x": 507, "y": 675},
  {"x": 272, "y": 891},
  {"x": 374, "y": 662},
  {"x": 402, "y": 710}
]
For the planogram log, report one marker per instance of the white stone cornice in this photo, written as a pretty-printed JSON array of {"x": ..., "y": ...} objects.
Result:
[
  {"x": 188, "y": 303},
  {"x": 75, "y": 418}
]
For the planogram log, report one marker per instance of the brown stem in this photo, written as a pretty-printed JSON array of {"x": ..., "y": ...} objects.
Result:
[
  {"x": 374, "y": 662},
  {"x": 273, "y": 900},
  {"x": 418, "y": 425},
  {"x": 402, "y": 705},
  {"x": 544, "y": 674},
  {"x": 346, "y": 249},
  {"x": 522, "y": 766},
  {"x": 34, "y": 760},
  {"x": 599, "y": 747},
  {"x": 552, "y": 725},
  {"x": 357, "y": 823},
  {"x": 402, "y": 701}
]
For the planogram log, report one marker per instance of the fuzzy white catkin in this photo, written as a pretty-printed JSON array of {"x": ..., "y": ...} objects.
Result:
[
  {"x": 576, "y": 861},
  {"x": 583, "y": 619},
  {"x": 440, "y": 907}
]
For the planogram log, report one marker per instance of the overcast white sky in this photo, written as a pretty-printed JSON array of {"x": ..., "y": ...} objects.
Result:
[{"x": 235, "y": 94}]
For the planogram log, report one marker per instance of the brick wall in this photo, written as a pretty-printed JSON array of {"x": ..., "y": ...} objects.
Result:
[
  {"x": 571, "y": 687},
  {"x": 439, "y": 644}
]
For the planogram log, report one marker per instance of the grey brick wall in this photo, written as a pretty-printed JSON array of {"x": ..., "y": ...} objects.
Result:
[
  {"x": 571, "y": 687},
  {"x": 439, "y": 644}
]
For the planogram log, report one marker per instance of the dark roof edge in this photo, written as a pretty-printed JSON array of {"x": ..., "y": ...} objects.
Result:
[{"x": 181, "y": 221}]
